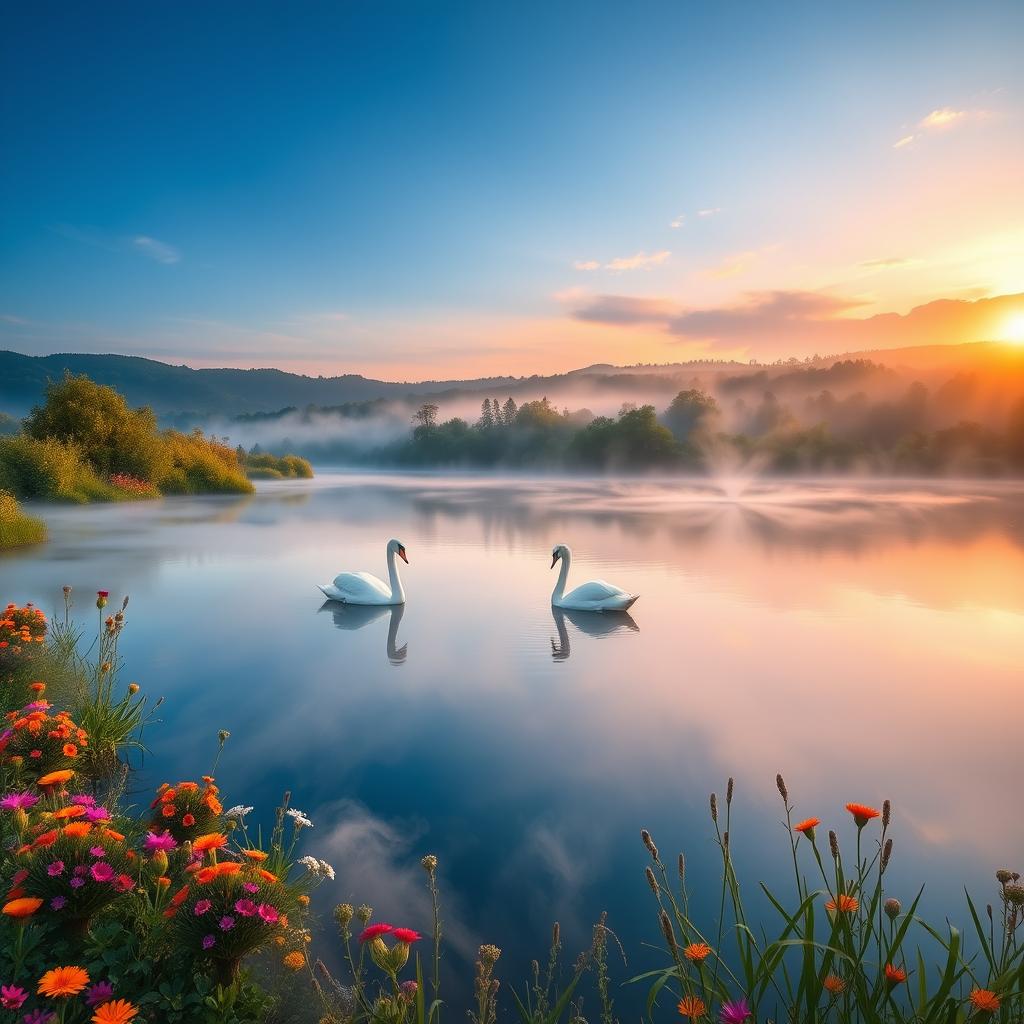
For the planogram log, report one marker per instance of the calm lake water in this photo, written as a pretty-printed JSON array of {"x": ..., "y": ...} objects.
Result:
[{"x": 865, "y": 639}]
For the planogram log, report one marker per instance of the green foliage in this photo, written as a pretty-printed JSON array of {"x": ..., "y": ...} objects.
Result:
[
  {"x": 50, "y": 470},
  {"x": 201, "y": 465},
  {"x": 8, "y": 424},
  {"x": 635, "y": 439},
  {"x": 264, "y": 466},
  {"x": 16, "y": 528},
  {"x": 689, "y": 411}
]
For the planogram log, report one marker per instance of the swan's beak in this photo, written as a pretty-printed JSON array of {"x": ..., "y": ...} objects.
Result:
[
  {"x": 554, "y": 558},
  {"x": 401, "y": 554}
]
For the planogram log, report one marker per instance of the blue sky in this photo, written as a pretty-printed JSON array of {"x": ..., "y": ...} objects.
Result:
[{"x": 438, "y": 190}]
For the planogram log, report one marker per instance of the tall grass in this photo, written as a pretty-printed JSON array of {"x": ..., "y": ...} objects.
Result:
[{"x": 16, "y": 528}]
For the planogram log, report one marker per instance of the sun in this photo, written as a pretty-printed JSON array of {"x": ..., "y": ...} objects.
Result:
[{"x": 1013, "y": 329}]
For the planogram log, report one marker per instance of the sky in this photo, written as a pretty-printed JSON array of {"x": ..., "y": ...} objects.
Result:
[{"x": 431, "y": 190}]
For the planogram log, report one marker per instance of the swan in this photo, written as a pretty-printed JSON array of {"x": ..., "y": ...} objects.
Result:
[
  {"x": 593, "y": 596},
  {"x": 365, "y": 588}
]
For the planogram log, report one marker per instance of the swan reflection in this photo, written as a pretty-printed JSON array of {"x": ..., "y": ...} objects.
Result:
[
  {"x": 597, "y": 624},
  {"x": 356, "y": 616}
]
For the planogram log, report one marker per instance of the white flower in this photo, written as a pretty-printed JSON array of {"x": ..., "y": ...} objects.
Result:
[
  {"x": 327, "y": 869},
  {"x": 301, "y": 821},
  {"x": 238, "y": 811},
  {"x": 311, "y": 864}
]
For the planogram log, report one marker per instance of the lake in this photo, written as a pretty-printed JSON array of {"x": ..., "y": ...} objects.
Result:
[{"x": 864, "y": 638}]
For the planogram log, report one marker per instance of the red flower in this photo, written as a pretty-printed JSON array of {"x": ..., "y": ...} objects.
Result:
[
  {"x": 895, "y": 975},
  {"x": 807, "y": 827},
  {"x": 862, "y": 814},
  {"x": 406, "y": 935},
  {"x": 374, "y": 931}
]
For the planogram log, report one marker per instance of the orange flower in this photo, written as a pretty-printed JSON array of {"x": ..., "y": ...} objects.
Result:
[
  {"x": 895, "y": 975},
  {"x": 846, "y": 904},
  {"x": 225, "y": 867},
  {"x": 25, "y": 906},
  {"x": 304, "y": 900},
  {"x": 295, "y": 961},
  {"x": 118, "y": 837},
  {"x": 268, "y": 876},
  {"x": 77, "y": 828},
  {"x": 807, "y": 827},
  {"x": 984, "y": 1000},
  {"x": 55, "y": 778},
  {"x": 834, "y": 984},
  {"x": 116, "y": 1011},
  {"x": 38, "y": 687},
  {"x": 213, "y": 803},
  {"x": 62, "y": 982},
  {"x": 188, "y": 787},
  {"x": 254, "y": 855},
  {"x": 70, "y": 750},
  {"x": 188, "y": 820},
  {"x": 180, "y": 896},
  {"x": 862, "y": 814},
  {"x": 71, "y": 811},
  {"x": 211, "y": 841},
  {"x": 692, "y": 1007},
  {"x": 163, "y": 881},
  {"x": 46, "y": 839},
  {"x": 697, "y": 951},
  {"x": 168, "y": 811},
  {"x": 167, "y": 796}
]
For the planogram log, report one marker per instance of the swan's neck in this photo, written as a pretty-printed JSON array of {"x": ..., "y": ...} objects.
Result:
[
  {"x": 563, "y": 575},
  {"x": 397, "y": 591}
]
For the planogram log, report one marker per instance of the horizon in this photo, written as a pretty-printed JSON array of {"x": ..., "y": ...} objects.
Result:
[{"x": 461, "y": 193}]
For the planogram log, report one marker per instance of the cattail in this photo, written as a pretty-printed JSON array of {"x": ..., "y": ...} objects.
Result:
[
  {"x": 781, "y": 783},
  {"x": 886, "y": 854},
  {"x": 714, "y": 807},
  {"x": 886, "y": 814},
  {"x": 556, "y": 936},
  {"x": 892, "y": 909},
  {"x": 988, "y": 910},
  {"x": 728, "y": 792},
  {"x": 725, "y": 841},
  {"x": 670, "y": 935},
  {"x": 649, "y": 843},
  {"x": 682, "y": 868},
  {"x": 833, "y": 844},
  {"x": 651, "y": 880}
]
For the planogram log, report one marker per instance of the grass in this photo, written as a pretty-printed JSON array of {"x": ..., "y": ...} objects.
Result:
[{"x": 16, "y": 528}]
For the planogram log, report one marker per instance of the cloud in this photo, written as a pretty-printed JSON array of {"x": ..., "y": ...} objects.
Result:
[
  {"x": 638, "y": 261},
  {"x": 800, "y": 322},
  {"x": 939, "y": 120},
  {"x": 738, "y": 263},
  {"x": 157, "y": 250},
  {"x": 678, "y": 222},
  {"x": 887, "y": 263},
  {"x": 587, "y": 265},
  {"x": 709, "y": 212}
]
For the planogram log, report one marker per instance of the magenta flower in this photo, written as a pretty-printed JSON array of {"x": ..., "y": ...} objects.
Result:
[
  {"x": 159, "y": 841},
  {"x": 202, "y": 907},
  {"x": 97, "y": 814},
  {"x": 208, "y": 941},
  {"x": 246, "y": 908},
  {"x": 374, "y": 930},
  {"x": 123, "y": 883},
  {"x": 226, "y": 923},
  {"x": 250, "y": 887},
  {"x": 81, "y": 869},
  {"x": 101, "y": 992},
  {"x": 18, "y": 801},
  {"x": 83, "y": 800},
  {"x": 734, "y": 1013},
  {"x": 58, "y": 903},
  {"x": 12, "y": 997},
  {"x": 97, "y": 851},
  {"x": 55, "y": 868},
  {"x": 77, "y": 882},
  {"x": 406, "y": 935},
  {"x": 39, "y": 1017},
  {"x": 268, "y": 913},
  {"x": 101, "y": 871}
]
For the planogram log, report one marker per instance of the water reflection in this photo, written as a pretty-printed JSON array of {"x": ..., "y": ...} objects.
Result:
[
  {"x": 596, "y": 624},
  {"x": 356, "y": 616}
]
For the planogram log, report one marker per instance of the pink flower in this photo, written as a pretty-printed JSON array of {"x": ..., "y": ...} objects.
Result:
[
  {"x": 406, "y": 935},
  {"x": 18, "y": 801},
  {"x": 208, "y": 941},
  {"x": 226, "y": 923},
  {"x": 12, "y": 997},
  {"x": 735, "y": 1013},
  {"x": 58, "y": 903},
  {"x": 101, "y": 992},
  {"x": 97, "y": 814},
  {"x": 159, "y": 841},
  {"x": 246, "y": 908},
  {"x": 83, "y": 800},
  {"x": 250, "y": 887},
  {"x": 202, "y": 907},
  {"x": 101, "y": 871},
  {"x": 76, "y": 882},
  {"x": 55, "y": 868},
  {"x": 97, "y": 851},
  {"x": 375, "y": 930},
  {"x": 268, "y": 913}
]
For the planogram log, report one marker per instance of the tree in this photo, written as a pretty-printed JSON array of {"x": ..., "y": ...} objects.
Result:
[
  {"x": 508, "y": 412},
  {"x": 486, "y": 421},
  {"x": 688, "y": 411},
  {"x": 425, "y": 417}
]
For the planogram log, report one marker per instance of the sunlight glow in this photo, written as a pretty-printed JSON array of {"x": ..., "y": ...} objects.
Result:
[{"x": 1013, "y": 331}]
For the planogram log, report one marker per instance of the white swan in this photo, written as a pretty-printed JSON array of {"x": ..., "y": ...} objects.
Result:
[
  {"x": 593, "y": 596},
  {"x": 365, "y": 588}
]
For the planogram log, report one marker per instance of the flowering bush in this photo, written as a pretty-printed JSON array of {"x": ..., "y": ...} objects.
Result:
[
  {"x": 20, "y": 628},
  {"x": 133, "y": 486},
  {"x": 37, "y": 743},
  {"x": 188, "y": 809}
]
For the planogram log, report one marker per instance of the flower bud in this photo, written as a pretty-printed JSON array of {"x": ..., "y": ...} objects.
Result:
[
  {"x": 133, "y": 688},
  {"x": 1003, "y": 876},
  {"x": 892, "y": 909},
  {"x": 159, "y": 862},
  {"x": 364, "y": 913},
  {"x": 343, "y": 913}
]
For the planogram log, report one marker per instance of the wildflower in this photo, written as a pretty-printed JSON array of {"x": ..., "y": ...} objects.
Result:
[
  {"x": 862, "y": 814},
  {"x": 375, "y": 931},
  {"x": 101, "y": 598},
  {"x": 58, "y": 903},
  {"x": 97, "y": 814},
  {"x": 892, "y": 908},
  {"x": 122, "y": 883},
  {"x": 268, "y": 914},
  {"x": 844, "y": 904},
  {"x": 807, "y": 827},
  {"x": 257, "y": 855},
  {"x": 429, "y": 863},
  {"x": 62, "y": 982},
  {"x": 38, "y": 1016},
  {"x": 159, "y": 841},
  {"x": 406, "y": 935},
  {"x": 692, "y": 1007},
  {"x": 211, "y": 841},
  {"x": 101, "y": 871},
  {"x": 180, "y": 896},
  {"x": 226, "y": 923},
  {"x": 250, "y": 887},
  {"x": 267, "y": 876},
  {"x": 1015, "y": 894},
  {"x": 97, "y": 851},
  {"x": 117, "y": 1011},
  {"x": 12, "y": 997},
  {"x": 188, "y": 820},
  {"x": 55, "y": 868},
  {"x": 55, "y": 778},
  {"x": 208, "y": 942},
  {"x": 133, "y": 688},
  {"x": 984, "y": 1000},
  {"x": 834, "y": 984},
  {"x": 409, "y": 990},
  {"x": 18, "y": 801},
  {"x": 698, "y": 952},
  {"x": 1003, "y": 875},
  {"x": 78, "y": 829},
  {"x": 735, "y": 1013},
  {"x": 24, "y": 906},
  {"x": 343, "y": 914},
  {"x": 163, "y": 881},
  {"x": 300, "y": 819},
  {"x": 245, "y": 907},
  {"x": 894, "y": 975},
  {"x": 202, "y": 907},
  {"x": 77, "y": 883},
  {"x": 238, "y": 811},
  {"x": 99, "y": 993},
  {"x": 295, "y": 961}
]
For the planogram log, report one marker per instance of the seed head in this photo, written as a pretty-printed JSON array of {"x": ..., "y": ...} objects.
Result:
[
  {"x": 833, "y": 844},
  {"x": 649, "y": 843},
  {"x": 489, "y": 955},
  {"x": 651, "y": 880},
  {"x": 1004, "y": 876},
  {"x": 781, "y": 783},
  {"x": 556, "y": 935},
  {"x": 714, "y": 807},
  {"x": 133, "y": 688},
  {"x": 1015, "y": 894},
  {"x": 886, "y": 814},
  {"x": 682, "y": 868},
  {"x": 343, "y": 913},
  {"x": 429, "y": 864},
  {"x": 728, "y": 791},
  {"x": 670, "y": 935},
  {"x": 892, "y": 909},
  {"x": 886, "y": 854},
  {"x": 223, "y": 736},
  {"x": 364, "y": 913}
]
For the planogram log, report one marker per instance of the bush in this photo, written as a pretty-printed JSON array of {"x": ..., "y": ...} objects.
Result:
[
  {"x": 50, "y": 470},
  {"x": 201, "y": 465},
  {"x": 263, "y": 466},
  {"x": 16, "y": 528}
]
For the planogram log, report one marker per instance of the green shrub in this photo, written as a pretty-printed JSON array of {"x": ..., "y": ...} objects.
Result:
[
  {"x": 16, "y": 528},
  {"x": 263, "y": 466},
  {"x": 201, "y": 465},
  {"x": 50, "y": 470}
]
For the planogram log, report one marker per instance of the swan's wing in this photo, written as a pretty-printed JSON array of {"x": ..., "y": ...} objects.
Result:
[
  {"x": 595, "y": 590},
  {"x": 356, "y": 586}
]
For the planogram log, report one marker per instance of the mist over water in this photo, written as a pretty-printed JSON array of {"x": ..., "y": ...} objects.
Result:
[{"x": 864, "y": 638}]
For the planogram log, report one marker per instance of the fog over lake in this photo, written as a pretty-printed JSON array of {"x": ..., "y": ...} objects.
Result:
[{"x": 866, "y": 639}]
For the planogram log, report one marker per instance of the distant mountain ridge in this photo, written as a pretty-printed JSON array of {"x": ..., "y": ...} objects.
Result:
[{"x": 176, "y": 389}]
